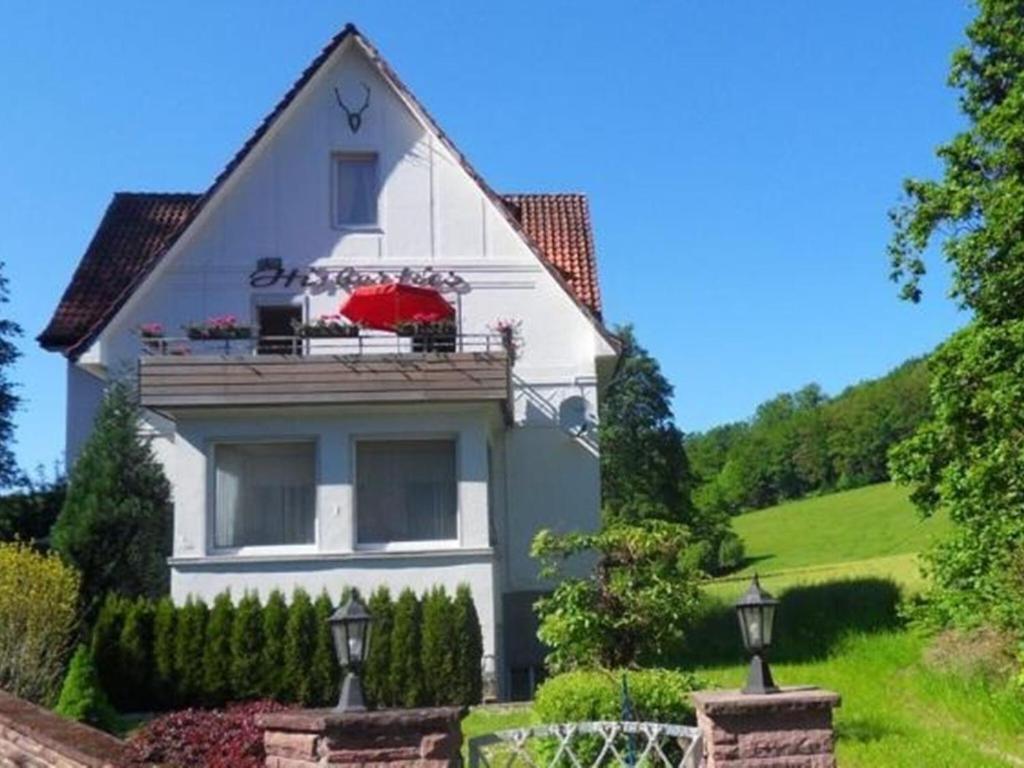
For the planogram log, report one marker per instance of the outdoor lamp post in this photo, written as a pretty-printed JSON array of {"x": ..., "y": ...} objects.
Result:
[
  {"x": 756, "y": 612},
  {"x": 350, "y": 630}
]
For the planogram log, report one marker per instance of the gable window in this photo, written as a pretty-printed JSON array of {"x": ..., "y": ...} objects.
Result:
[
  {"x": 265, "y": 494},
  {"x": 405, "y": 491},
  {"x": 355, "y": 190},
  {"x": 277, "y": 333}
]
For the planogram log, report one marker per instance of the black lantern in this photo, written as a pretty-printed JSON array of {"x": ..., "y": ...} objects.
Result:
[
  {"x": 756, "y": 612},
  {"x": 350, "y": 629}
]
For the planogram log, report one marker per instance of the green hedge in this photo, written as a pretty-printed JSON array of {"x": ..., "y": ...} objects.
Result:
[{"x": 153, "y": 655}]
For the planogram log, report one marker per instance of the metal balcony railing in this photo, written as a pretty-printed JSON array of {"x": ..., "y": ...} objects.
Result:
[{"x": 366, "y": 343}]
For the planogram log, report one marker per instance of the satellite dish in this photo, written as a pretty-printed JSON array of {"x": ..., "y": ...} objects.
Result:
[{"x": 572, "y": 416}]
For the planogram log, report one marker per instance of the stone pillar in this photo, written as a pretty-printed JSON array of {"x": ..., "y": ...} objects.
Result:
[
  {"x": 395, "y": 738},
  {"x": 789, "y": 729}
]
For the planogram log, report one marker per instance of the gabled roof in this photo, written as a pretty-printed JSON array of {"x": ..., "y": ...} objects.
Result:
[{"x": 139, "y": 229}]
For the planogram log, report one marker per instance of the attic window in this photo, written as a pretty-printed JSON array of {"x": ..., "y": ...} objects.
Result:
[{"x": 355, "y": 190}]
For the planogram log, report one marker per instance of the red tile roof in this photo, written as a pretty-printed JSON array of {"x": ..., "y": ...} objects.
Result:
[
  {"x": 560, "y": 227},
  {"x": 138, "y": 228}
]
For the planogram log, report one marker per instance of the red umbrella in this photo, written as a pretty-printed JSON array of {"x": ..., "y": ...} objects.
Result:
[{"x": 385, "y": 306}]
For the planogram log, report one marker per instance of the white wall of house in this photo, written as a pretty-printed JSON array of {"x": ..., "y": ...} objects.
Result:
[{"x": 432, "y": 213}]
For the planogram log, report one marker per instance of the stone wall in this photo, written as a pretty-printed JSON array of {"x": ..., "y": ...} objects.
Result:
[
  {"x": 32, "y": 737},
  {"x": 400, "y": 738},
  {"x": 789, "y": 729}
]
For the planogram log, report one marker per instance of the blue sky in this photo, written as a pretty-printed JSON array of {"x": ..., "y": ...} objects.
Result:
[{"x": 739, "y": 157}]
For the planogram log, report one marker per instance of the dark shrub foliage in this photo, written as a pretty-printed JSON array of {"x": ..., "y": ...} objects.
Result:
[
  {"x": 135, "y": 652},
  {"x": 164, "y": 623},
  {"x": 217, "y": 652},
  {"x": 323, "y": 669},
  {"x": 210, "y": 738},
  {"x": 82, "y": 697},
  {"x": 106, "y": 646},
  {"x": 189, "y": 640},
  {"x": 299, "y": 638},
  {"x": 406, "y": 670},
  {"x": 29, "y": 512},
  {"x": 469, "y": 649},
  {"x": 246, "y": 642},
  {"x": 439, "y": 640},
  {"x": 377, "y": 676},
  {"x": 275, "y": 619}
]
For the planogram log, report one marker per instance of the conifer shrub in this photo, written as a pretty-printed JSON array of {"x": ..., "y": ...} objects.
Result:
[
  {"x": 439, "y": 641},
  {"x": 106, "y": 647},
  {"x": 275, "y": 619},
  {"x": 323, "y": 669},
  {"x": 135, "y": 652},
  {"x": 299, "y": 638},
  {"x": 246, "y": 645},
  {"x": 217, "y": 652},
  {"x": 406, "y": 675},
  {"x": 82, "y": 697},
  {"x": 469, "y": 649},
  {"x": 377, "y": 674},
  {"x": 163, "y": 670},
  {"x": 189, "y": 639}
]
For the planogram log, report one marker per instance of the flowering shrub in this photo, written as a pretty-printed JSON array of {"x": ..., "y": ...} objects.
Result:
[
  {"x": 511, "y": 332},
  {"x": 214, "y": 738},
  {"x": 326, "y": 327},
  {"x": 38, "y": 617},
  {"x": 218, "y": 327}
]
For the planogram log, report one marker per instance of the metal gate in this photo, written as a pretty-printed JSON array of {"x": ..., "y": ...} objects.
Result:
[{"x": 590, "y": 745}]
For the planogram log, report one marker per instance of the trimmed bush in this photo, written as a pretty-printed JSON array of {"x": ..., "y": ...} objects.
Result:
[
  {"x": 439, "y": 640},
  {"x": 246, "y": 643},
  {"x": 275, "y": 619},
  {"x": 299, "y": 636},
  {"x": 731, "y": 552},
  {"x": 135, "y": 648},
  {"x": 189, "y": 640},
  {"x": 217, "y": 652},
  {"x": 406, "y": 677},
  {"x": 469, "y": 649},
  {"x": 377, "y": 675},
  {"x": 163, "y": 682},
  {"x": 106, "y": 646},
  {"x": 323, "y": 669},
  {"x": 82, "y": 698}
]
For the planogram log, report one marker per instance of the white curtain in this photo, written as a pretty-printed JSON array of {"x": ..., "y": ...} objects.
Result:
[
  {"x": 406, "y": 491},
  {"x": 266, "y": 494},
  {"x": 356, "y": 189}
]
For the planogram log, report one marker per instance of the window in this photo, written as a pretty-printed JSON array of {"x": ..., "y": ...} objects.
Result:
[
  {"x": 276, "y": 322},
  {"x": 265, "y": 494},
  {"x": 405, "y": 491},
  {"x": 355, "y": 190}
]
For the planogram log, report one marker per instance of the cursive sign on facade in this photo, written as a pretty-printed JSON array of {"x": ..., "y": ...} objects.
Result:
[{"x": 323, "y": 279}]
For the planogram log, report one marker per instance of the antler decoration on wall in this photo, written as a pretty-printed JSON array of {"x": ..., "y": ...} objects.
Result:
[{"x": 355, "y": 116}]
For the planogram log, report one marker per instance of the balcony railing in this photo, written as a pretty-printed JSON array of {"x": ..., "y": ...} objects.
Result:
[
  {"x": 304, "y": 346},
  {"x": 176, "y": 374}
]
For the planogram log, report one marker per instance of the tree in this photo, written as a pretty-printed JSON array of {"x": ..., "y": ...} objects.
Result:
[
  {"x": 164, "y": 618},
  {"x": 275, "y": 620},
  {"x": 634, "y": 604},
  {"x": 377, "y": 677},
  {"x": 135, "y": 656},
  {"x": 968, "y": 457},
  {"x": 324, "y": 672},
  {"x": 438, "y": 646},
  {"x": 469, "y": 649},
  {"x": 106, "y": 645},
  {"x": 9, "y": 401},
  {"x": 406, "y": 671},
  {"x": 299, "y": 636},
  {"x": 82, "y": 697},
  {"x": 217, "y": 651},
  {"x": 246, "y": 642},
  {"x": 644, "y": 471},
  {"x": 115, "y": 526},
  {"x": 189, "y": 640}
]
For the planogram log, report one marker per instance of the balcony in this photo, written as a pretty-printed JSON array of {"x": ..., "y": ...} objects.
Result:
[{"x": 176, "y": 374}]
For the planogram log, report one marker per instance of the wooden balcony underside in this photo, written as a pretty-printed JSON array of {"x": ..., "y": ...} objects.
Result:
[{"x": 170, "y": 382}]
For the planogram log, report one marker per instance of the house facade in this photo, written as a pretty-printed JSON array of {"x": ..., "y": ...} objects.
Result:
[{"x": 302, "y": 455}]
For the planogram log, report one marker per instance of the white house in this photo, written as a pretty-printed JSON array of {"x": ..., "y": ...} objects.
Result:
[{"x": 381, "y": 459}]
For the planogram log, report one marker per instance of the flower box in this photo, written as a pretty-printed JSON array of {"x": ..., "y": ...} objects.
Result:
[
  {"x": 221, "y": 328},
  {"x": 442, "y": 328},
  {"x": 328, "y": 327}
]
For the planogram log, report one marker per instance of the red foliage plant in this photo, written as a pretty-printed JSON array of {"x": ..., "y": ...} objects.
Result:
[{"x": 214, "y": 738}]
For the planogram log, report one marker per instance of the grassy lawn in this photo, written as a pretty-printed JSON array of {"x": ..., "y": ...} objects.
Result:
[{"x": 841, "y": 564}]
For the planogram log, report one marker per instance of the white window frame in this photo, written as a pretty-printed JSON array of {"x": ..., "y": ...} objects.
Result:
[
  {"x": 415, "y": 545},
  {"x": 211, "y": 497},
  {"x": 376, "y": 227}
]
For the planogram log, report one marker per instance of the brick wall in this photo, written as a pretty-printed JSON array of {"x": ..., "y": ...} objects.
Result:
[{"x": 33, "y": 737}]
